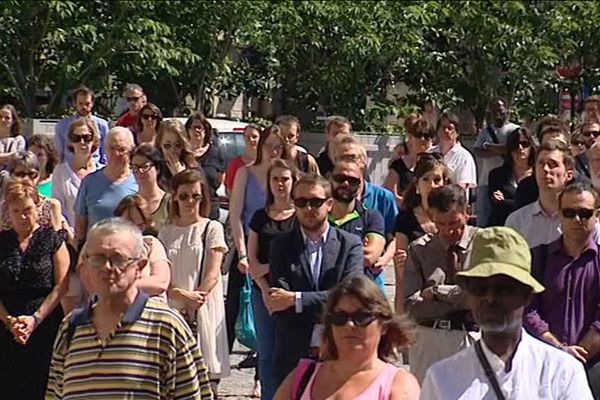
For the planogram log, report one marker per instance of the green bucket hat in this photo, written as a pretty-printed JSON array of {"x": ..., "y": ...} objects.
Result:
[{"x": 501, "y": 251}]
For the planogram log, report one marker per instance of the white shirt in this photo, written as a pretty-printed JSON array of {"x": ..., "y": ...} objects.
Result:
[
  {"x": 539, "y": 371},
  {"x": 65, "y": 185},
  {"x": 535, "y": 225},
  {"x": 462, "y": 164},
  {"x": 486, "y": 164}
]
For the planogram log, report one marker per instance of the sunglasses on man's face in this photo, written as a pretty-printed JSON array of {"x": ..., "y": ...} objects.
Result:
[
  {"x": 132, "y": 99},
  {"x": 313, "y": 203},
  {"x": 21, "y": 174},
  {"x": 591, "y": 133},
  {"x": 358, "y": 318},
  {"x": 79, "y": 138},
  {"x": 582, "y": 213},
  {"x": 341, "y": 178},
  {"x": 153, "y": 117}
]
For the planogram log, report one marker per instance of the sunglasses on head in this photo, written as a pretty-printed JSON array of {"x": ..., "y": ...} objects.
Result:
[
  {"x": 87, "y": 138},
  {"x": 132, "y": 99},
  {"x": 313, "y": 203},
  {"x": 30, "y": 174},
  {"x": 582, "y": 213},
  {"x": 591, "y": 133},
  {"x": 358, "y": 318},
  {"x": 153, "y": 117},
  {"x": 341, "y": 178},
  {"x": 196, "y": 197}
]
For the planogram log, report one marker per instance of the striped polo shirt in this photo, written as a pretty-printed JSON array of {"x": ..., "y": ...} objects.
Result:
[{"x": 151, "y": 355}]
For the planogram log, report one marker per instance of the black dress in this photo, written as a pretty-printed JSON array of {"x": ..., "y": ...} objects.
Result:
[
  {"x": 404, "y": 173},
  {"x": 26, "y": 279},
  {"x": 213, "y": 164},
  {"x": 502, "y": 179},
  {"x": 407, "y": 224}
]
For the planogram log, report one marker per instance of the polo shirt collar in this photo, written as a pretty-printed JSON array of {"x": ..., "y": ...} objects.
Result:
[{"x": 133, "y": 313}]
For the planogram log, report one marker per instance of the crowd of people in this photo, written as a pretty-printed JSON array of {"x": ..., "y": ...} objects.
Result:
[{"x": 113, "y": 257}]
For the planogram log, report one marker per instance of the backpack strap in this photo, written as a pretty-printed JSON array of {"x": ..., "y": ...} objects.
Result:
[{"x": 304, "y": 371}]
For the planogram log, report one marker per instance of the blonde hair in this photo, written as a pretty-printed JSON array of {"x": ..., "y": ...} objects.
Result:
[{"x": 17, "y": 189}]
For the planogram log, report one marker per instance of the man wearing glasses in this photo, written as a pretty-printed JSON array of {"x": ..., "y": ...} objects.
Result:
[
  {"x": 83, "y": 101},
  {"x": 566, "y": 314},
  {"x": 304, "y": 265},
  {"x": 136, "y": 99},
  {"x": 123, "y": 344}
]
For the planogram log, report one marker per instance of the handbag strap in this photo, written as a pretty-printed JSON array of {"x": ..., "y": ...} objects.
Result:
[
  {"x": 488, "y": 371},
  {"x": 203, "y": 237}
]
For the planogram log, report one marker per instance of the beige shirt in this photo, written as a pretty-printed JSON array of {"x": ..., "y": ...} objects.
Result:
[{"x": 427, "y": 266}]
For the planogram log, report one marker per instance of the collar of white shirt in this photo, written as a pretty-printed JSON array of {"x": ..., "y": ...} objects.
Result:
[{"x": 321, "y": 240}]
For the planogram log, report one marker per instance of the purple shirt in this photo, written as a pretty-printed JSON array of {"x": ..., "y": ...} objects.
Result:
[{"x": 570, "y": 305}]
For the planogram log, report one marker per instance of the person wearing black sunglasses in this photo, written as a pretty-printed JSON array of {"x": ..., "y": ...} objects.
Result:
[
  {"x": 565, "y": 314},
  {"x": 349, "y": 214},
  {"x": 304, "y": 265},
  {"x": 136, "y": 99},
  {"x": 149, "y": 119},
  {"x": 362, "y": 335}
]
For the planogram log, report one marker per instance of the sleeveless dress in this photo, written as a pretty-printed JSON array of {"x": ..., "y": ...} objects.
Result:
[
  {"x": 255, "y": 198},
  {"x": 379, "y": 389}
]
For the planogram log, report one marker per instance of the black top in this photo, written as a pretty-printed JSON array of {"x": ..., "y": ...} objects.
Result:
[
  {"x": 405, "y": 174},
  {"x": 213, "y": 164},
  {"x": 27, "y": 277},
  {"x": 267, "y": 229},
  {"x": 502, "y": 179},
  {"x": 407, "y": 224},
  {"x": 324, "y": 162}
]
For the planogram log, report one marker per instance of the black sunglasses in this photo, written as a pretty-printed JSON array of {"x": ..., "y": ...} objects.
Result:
[
  {"x": 31, "y": 174},
  {"x": 422, "y": 136},
  {"x": 582, "y": 213},
  {"x": 359, "y": 318},
  {"x": 313, "y": 203},
  {"x": 196, "y": 197},
  {"x": 132, "y": 99},
  {"x": 591, "y": 133},
  {"x": 153, "y": 117},
  {"x": 341, "y": 178},
  {"x": 524, "y": 144},
  {"x": 78, "y": 138}
]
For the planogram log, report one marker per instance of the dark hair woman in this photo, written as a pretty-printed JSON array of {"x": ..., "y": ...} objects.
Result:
[
  {"x": 43, "y": 148},
  {"x": 361, "y": 336},
  {"x": 149, "y": 119},
  {"x": 11, "y": 138},
  {"x": 413, "y": 220},
  {"x": 503, "y": 181},
  {"x": 278, "y": 217}
]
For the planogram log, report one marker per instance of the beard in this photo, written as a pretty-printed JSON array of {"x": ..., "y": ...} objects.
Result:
[
  {"x": 311, "y": 224},
  {"x": 344, "y": 195}
]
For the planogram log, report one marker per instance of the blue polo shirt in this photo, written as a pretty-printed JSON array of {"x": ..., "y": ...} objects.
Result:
[{"x": 380, "y": 199}]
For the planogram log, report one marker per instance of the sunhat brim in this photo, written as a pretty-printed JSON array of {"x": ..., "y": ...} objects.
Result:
[{"x": 487, "y": 269}]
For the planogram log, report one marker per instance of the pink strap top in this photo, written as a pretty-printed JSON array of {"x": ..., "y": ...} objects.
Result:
[{"x": 379, "y": 389}]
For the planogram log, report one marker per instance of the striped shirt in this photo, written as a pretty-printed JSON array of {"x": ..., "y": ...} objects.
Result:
[{"x": 151, "y": 355}]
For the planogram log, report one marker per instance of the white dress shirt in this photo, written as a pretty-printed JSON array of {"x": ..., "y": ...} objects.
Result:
[
  {"x": 461, "y": 163},
  {"x": 535, "y": 225},
  {"x": 539, "y": 371}
]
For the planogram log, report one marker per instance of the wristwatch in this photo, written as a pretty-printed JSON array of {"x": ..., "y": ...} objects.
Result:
[
  {"x": 485, "y": 145},
  {"x": 37, "y": 318}
]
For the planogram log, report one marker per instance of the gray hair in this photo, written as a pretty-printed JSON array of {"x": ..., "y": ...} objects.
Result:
[
  {"x": 119, "y": 225},
  {"x": 119, "y": 129},
  {"x": 24, "y": 159},
  {"x": 130, "y": 87}
]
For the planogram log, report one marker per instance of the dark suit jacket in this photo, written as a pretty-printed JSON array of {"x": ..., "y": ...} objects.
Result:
[{"x": 289, "y": 268}]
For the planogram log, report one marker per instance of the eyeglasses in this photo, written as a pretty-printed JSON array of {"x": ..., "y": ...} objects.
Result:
[
  {"x": 582, "y": 213},
  {"x": 87, "y": 138},
  {"x": 117, "y": 261},
  {"x": 524, "y": 144},
  {"x": 422, "y": 136},
  {"x": 31, "y": 174},
  {"x": 153, "y": 117},
  {"x": 196, "y": 197},
  {"x": 341, "y": 178},
  {"x": 169, "y": 146},
  {"x": 132, "y": 99},
  {"x": 591, "y": 133},
  {"x": 313, "y": 203},
  {"x": 143, "y": 168},
  {"x": 359, "y": 318}
]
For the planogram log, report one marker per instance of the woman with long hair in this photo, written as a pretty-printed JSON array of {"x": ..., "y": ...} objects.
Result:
[
  {"x": 175, "y": 148},
  {"x": 147, "y": 166},
  {"x": 11, "y": 137},
  {"x": 413, "y": 220},
  {"x": 360, "y": 339},
  {"x": 251, "y": 137},
  {"x": 149, "y": 120},
  {"x": 419, "y": 138},
  {"x": 84, "y": 140},
  {"x": 503, "y": 181},
  {"x": 278, "y": 217},
  {"x": 196, "y": 245},
  {"x": 156, "y": 275},
  {"x": 208, "y": 155},
  {"x": 43, "y": 148}
]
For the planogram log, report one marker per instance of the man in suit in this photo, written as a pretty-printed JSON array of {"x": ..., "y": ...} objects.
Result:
[{"x": 303, "y": 266}]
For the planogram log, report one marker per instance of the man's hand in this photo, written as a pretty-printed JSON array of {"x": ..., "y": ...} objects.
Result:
[
  {"x": 280, "y": 299},
  {"x": 427, "y": 293},
  {"x": 498, "y": 196},
  {"x": 577, "y": 351}
]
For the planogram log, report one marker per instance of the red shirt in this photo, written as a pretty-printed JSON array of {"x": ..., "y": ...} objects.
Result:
[
  {"x": 129, "y": 120},
  {"x": 232, "y": 168}
]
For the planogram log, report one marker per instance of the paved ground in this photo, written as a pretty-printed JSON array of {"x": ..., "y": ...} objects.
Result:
[{"x": 240, "y": 384}]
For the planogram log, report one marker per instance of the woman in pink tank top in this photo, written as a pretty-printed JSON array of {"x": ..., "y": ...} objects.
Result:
[{"x": 361, "y": 335}]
